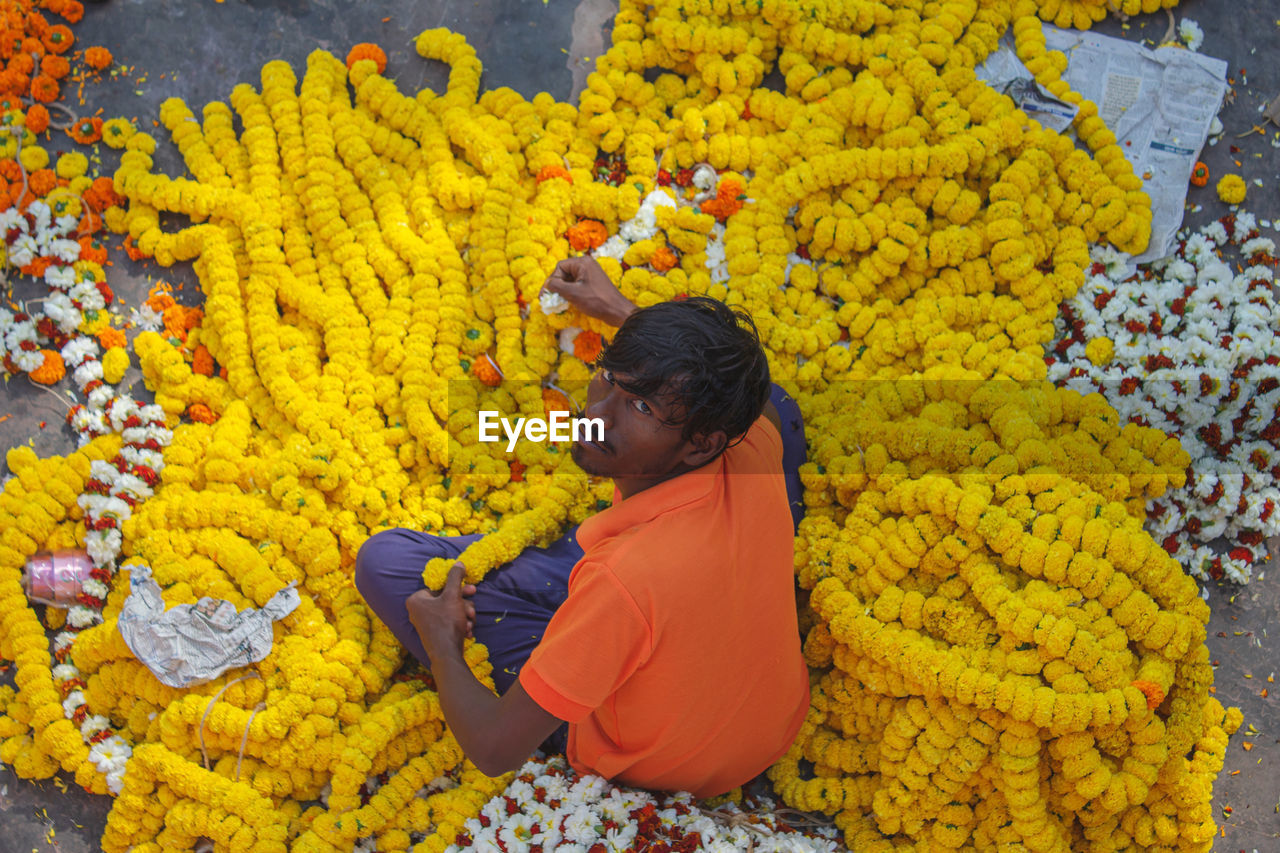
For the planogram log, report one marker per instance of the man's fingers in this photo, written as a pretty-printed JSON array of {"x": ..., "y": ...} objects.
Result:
[
  {"x": 454, "y": 578},
  {"x": 468, "y": 590}
]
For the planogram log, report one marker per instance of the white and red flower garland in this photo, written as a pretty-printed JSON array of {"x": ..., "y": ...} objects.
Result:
[
  {"x": 550, "y": 807},
  {"x": 1189, "y": 345}
]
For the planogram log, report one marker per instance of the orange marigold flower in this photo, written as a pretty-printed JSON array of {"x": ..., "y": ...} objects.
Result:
[
  {"x": 179, "y": 319},
  {"x": 160, "y": 299},
  {"x": 131, "y": 249},
  {"x": 109, "y": 338},
  {"x": 22, "y": 63},
  {"x": 37, "y": 118},
  {"x": 86, "y": 131},
  {"x": 42, "y": 181},
  {"x": 93, "y": 249},
  {"x": 10, "y": 170},
  {"x": 201, "y": 413},
  {"x": 37, "y": 268},
  {"x": 56, "y": 67},
  {"x": 72, "y": 10},
  {"x": 550, "y": 171},
  {"x": 368, "y": 50},
  {"x": 484, "y": 369},
  {"x": 202, "y": 361},
  {"x": 1199, "y": 174},
  {"x": 13, "y": 81},
  {"x": 34, "y": 49},
  {"x": 587, "y": 235},
  {"x": 555, "y": 400},
  {"x": 102, "y": 194},
  {"x": 98, "y": 57},
  {"x": 728, "y": 201},
  {"x": 51, "y": 369},
  {"x": 1153, "y": 692},
  {"x": 587, "y": 346},
  {"x": 662, "y": 259},
  {"x": 44, "y": 88},
  {"x": 37, "y": 24},
  {"x": 58, "y": 39}
]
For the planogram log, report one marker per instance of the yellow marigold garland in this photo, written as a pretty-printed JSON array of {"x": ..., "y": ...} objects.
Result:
[{"x": 1000, "y": 654}]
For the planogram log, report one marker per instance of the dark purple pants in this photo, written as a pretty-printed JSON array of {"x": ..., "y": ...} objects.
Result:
[{"x": 515, "y": 602}]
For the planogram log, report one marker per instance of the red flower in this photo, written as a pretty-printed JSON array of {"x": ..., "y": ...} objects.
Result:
[
  {"x": 1170, "y": 544},
  {"x": 1244, "y": 555}
]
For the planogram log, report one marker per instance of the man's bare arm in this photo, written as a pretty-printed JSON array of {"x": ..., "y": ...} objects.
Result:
[{"x": 497, "y": 733}]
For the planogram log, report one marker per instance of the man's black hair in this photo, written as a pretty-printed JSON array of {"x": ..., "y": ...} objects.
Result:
[{"x": 699, "y": 356}]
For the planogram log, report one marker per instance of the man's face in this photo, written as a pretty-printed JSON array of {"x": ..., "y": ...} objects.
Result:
[{"x": 638, "y": 450}]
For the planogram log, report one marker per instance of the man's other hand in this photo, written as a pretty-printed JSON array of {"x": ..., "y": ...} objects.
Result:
[
  {"x": 586, "y": 286},
  {"x": 444, "y": 619}
]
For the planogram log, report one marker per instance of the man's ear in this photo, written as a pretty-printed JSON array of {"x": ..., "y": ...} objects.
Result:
[{"x": 705, "y": 446}]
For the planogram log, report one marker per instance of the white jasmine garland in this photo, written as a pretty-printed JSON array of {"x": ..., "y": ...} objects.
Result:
[
  {"x": 1196, "y": 355},
  {"x": 556, "y": 811}
]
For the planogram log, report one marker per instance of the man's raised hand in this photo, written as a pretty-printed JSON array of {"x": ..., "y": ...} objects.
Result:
[
  {"x": 444, "y": 619},
  {"x": 586, "y": 286}
]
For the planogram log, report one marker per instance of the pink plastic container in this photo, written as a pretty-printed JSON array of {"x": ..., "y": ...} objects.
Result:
[{"x": 56, "y": 578}]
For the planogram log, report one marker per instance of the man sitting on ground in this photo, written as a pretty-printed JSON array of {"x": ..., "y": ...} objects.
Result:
[{"x": 662, "y": 630}]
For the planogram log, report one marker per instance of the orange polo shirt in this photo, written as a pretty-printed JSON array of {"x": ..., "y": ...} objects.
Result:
[{"x": 676, "y": 656}]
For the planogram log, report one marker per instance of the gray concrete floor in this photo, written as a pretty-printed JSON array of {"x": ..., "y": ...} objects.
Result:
[{"x": 199, "y": 49}]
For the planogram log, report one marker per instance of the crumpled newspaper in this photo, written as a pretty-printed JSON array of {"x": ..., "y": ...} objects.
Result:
[{"x": 194, "y": 643}]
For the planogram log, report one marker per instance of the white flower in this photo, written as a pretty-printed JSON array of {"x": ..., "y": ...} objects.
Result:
[
  {"x": 110, "y": 754},
  {"x": 1215, "y": 231},
  {"x": 88, "y": 295},
  {"x": 67, "y": 251},
  {"x": 23, "y": 250},
  {"x": 103, "y": 546},
  {"x": 79, "y": 616},
  {"x": 95, "y": 587},
  {"x": 704, "y": 177},
  {"x": 567, "y": 337},
  {"x": 580, "y": 826},
  {"x": 77, "y": 350},
  {"x": 60, "y": 276},
  {"x": 28, "y": 361},
  {"x": 87, "y": 372},
  {"x": 1190, "y": 34},
  {"x": 146, "y": 318},
  {"x": 64, "y": 672},
  {"x": 552, "y": 303},
  {"x": 93, "y": 724},
  {"x": 100, "y": 396},
  {"x": 517, "y": 833},
  {"x": 73, "y": 701}
]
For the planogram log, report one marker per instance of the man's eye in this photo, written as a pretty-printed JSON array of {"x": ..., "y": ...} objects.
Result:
[
  {"x": 642, "y": 407},
  {"x": 608, "y": 375}
]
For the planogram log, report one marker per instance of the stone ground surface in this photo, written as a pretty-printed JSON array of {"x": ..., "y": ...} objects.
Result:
[{"x": 199, "y": 49}]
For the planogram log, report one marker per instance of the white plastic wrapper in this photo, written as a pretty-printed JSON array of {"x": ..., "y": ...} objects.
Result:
[{"x": 194, "y": 643}]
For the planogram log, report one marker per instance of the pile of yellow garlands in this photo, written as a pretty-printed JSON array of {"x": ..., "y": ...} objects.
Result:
[{"x": 1001, "y": 657}]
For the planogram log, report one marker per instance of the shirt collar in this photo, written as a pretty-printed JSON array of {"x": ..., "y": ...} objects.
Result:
[{"x": 687, "y": 488}]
